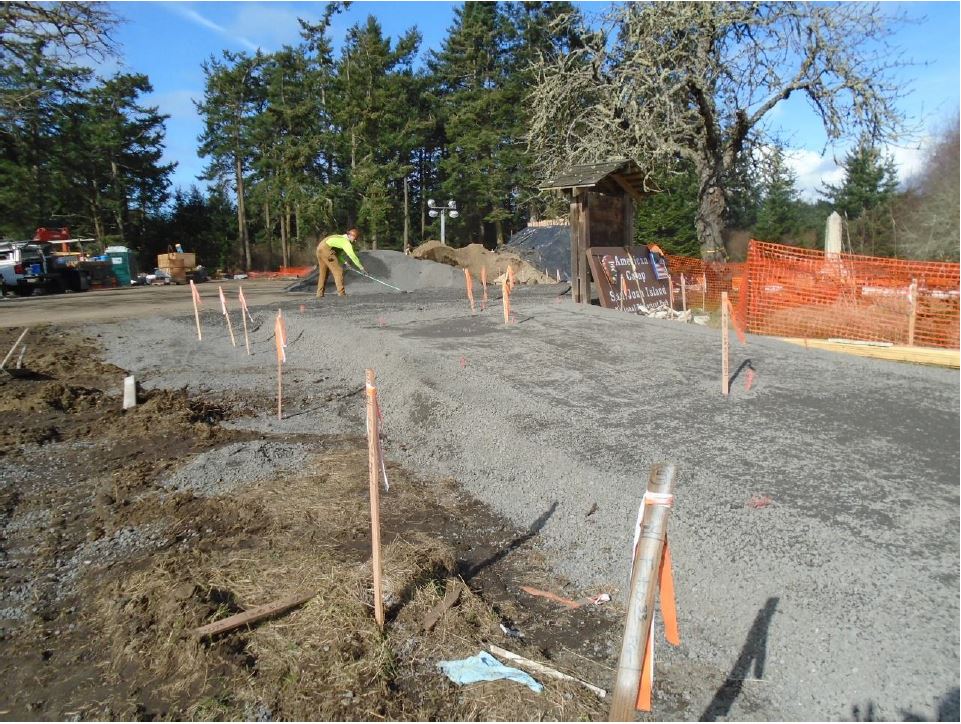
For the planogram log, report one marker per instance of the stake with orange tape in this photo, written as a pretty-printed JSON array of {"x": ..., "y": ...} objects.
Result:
[
  {"x": 484, "y": 285},
  {"x": 244, "y": 313},
  {"x": 670, "y": 291},
  {"x": 651, "y": 572},
  {"x": 197, "y": 304},
  {"x": 733, "y": 317},
  {"x": 280, "y": 342},
  {"x": 374, "y": 468},
  {"x": 725, "y": 345},
  {"x": 623, "y": 291},
  {"x": 703, "y": 290},
  {"x": 470, "y": 289},
  {"x": 506, "y": 299},
  {"x": 510, "y": 275},
  {"x": 683, "y": 294},
  {"x": 223, "y": 307}
]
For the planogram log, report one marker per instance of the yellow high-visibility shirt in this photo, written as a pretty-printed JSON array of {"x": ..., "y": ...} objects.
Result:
[{"x": 341, "y": 245}]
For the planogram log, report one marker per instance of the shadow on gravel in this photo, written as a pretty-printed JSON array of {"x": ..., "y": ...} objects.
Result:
[
  {"x": 753, "y": 652},
  {"x": 948, "y": 710},
  {"x": 746, "y": 364},
  {"x": 536, "y": 527}
]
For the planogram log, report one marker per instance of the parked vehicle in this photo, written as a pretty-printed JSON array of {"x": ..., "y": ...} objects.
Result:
[{"x": 23, "y": 266}]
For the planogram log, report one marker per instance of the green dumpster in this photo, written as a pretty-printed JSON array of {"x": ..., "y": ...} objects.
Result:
[{"x": 124, "y": 263}]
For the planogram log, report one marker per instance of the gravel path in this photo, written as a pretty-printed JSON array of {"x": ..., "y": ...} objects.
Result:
[{"x": 815, "y": 532}]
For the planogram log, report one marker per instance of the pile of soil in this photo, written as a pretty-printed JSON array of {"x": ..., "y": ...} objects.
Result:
[
  {"x": 476, "y": 257},
  {"x": 122, "y": 531}
]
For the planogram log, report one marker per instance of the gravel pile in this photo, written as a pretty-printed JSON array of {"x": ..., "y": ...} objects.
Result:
[
  {"x": 393, "y": 267},
  {"x": 225, "y": 469}
]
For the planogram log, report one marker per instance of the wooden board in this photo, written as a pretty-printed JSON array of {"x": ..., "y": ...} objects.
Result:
[
  {"x": 895, "y": 353},
  {"x": 645, "y": 285}
]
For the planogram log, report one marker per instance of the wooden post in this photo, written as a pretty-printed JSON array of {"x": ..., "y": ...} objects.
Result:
[
  {"x": 484, "y": 285},
  {"x": 10, "y": 353},
  {"x": 913, "y": 314},
  {"x": 623, "y": 291},
  {"x": 280, "y": 342},
  {"x": 223, "y": 307},
  {"x": 196, "y": 297},
  {"x": 640, "y": 605},
  {"x": 373, "y": 465},
  {"x": 725, "y": 345},
  {"x": 243, "y": 315},
  {"x": 703, "y": 290},
  {"x": 470, "y": 289},
  {"x": 576, "y": 260},
  {"x": 670, "y": 291},
  {"x": 683, "y": 294},
  {"x": 584, "y": 278},
  {"x": 506, "y": 299}
]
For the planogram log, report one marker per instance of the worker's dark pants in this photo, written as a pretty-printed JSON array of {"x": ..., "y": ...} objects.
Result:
[{"x": 327, "y": 262}]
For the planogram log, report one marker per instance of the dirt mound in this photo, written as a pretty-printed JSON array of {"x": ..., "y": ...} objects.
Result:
[{"x": 476, "y": 257}]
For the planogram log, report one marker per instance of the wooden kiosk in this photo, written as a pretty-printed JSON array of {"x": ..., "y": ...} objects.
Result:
[{"x": 602, "y": 197}]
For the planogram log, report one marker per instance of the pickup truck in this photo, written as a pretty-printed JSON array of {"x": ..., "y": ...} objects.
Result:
[{"x": 22, "y": 266}]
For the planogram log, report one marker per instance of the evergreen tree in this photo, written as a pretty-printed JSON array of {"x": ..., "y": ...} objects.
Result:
[
  {"x": 864, "y": 199},
  {"x": 233, "y": 97},
  {"x": 778, "y": 216},
  {"x": 666, "y": 218}
]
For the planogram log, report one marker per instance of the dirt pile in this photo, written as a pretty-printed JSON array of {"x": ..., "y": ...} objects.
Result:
[{"x": 476, "y": 257}]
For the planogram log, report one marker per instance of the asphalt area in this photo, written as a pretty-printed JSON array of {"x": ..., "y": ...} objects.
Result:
[{"x": 815, "y": 532}]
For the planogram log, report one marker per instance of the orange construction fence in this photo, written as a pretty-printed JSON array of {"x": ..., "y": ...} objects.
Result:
[
  {"x": 704, "y": 281},
  {"x": 792, "y": 292},
  {"x": 286, "y": 272}
]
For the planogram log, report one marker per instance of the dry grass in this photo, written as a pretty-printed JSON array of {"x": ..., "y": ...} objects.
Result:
[{"x": 325, "y": 660}]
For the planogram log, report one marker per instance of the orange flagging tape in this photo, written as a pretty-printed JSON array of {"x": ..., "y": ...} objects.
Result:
[
  {"x": 671, "y": 632},
  {"x": 737, "y": 325}
]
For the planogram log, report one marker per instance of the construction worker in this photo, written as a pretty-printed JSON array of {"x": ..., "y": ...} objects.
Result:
[{"x": 331, "y": 253}]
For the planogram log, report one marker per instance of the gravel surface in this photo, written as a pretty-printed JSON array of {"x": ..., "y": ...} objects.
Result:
[
  {"x": 815, "y": 530},
  {"x": 238, "y": 464}
]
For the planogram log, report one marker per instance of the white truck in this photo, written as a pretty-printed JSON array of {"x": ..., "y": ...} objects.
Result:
[{"x": 22, "y": 267}]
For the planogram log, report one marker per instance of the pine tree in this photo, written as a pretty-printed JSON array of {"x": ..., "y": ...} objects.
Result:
[
  {"x": 233, "y": 97},
  {"x": 778, "y": 217}
]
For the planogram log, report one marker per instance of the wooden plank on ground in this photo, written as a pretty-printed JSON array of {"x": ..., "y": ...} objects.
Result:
[
  {"x": 454, "y": 589},
  {"x": 894, "y": 353},
  {"x": 253, "y": 615}
]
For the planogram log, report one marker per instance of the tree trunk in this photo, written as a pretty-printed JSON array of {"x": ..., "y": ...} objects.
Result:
[
  {"x": 406, "y": 220},
  {"x": 499, "y": 226},
  {"x": 709, "y": 221},
  {"x": 242, "y": 213},
  {"x": 270, "y": 234},
  {"x": 283, "y": 239},
  {"x": 120, "y": 212}
]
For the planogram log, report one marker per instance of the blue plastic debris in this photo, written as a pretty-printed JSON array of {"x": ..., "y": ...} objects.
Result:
[{"x": 484, "y": 667}]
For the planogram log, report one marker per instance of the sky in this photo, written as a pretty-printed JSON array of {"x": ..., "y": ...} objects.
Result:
[{"x": 168, "y": 41}]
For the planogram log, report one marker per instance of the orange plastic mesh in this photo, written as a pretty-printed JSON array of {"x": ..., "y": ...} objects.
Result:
[
  {"x": 704, "y": 281},
  {"x": 793, "y": 292}
]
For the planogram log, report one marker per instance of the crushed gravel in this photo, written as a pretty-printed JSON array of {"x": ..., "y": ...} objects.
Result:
[
  {"x": 226, "y": 468},
  {"x": 839, "y": 591}
]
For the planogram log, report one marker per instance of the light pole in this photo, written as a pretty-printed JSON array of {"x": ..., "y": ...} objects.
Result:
[{"x": 442, "y": 211}]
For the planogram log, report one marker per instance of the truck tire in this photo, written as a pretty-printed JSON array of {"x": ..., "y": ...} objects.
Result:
[{"x": 24, "y": 290}]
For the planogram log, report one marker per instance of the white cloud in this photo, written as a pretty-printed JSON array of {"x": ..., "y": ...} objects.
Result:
[
  {"x": 198, "y": 19},
  {"x": 273, "y": 25},
  {"x": 813, "y": 171}
]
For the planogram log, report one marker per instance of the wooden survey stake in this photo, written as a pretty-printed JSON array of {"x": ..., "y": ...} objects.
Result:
[
  {"x": 725, "y": 345},
  {"x": 648, "y": 559},
  {"x": 506, "y": 299},
  {"x": 223, "y": 308},
  {"x": 683, "y": 294},
  {"x": 373, "y": 465},
  {"x": 913, "y": 313},
  {"x": 280, "y": 342},
  {"x": 470, "y": 289},
  {"x": 197, "y": 304},
  {"x": 244, "y": 313},
  {"x": 484, "y": 285}
]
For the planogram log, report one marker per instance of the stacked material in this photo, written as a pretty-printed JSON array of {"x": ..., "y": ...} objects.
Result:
[
  {"x": 476, "y": 258},
  {"x": 177, "y": 265}
]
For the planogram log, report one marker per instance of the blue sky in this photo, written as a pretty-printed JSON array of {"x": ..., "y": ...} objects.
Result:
[{"x": 169, "y": 40}]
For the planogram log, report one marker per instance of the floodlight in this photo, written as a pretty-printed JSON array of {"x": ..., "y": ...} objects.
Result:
[
  {"x": 432, "y": 214},
  {"x": 454, "y": 214}
]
